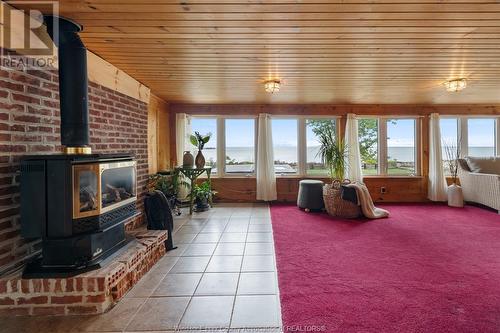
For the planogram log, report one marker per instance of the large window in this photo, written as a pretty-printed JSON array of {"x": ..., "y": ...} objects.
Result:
[
  {"x": 240, "y": 146},
  {"x": 314, "y": 127},
  {"x": 401, "y": 147},
  {"x": 368, "y": 145},
  {"x": 449, "y": 140},
  {"x": 481, "y": 137},
  {"x": 388, "y": 146},
  {"x": 285, "y": 145},
  {"x": 205, "y": 126}
]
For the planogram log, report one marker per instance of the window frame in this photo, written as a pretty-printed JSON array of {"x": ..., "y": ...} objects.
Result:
[
  {"x": 302, "y": 142},
  {"x": 463, "y": 130},
  {"x": 382, "y": 151},
  {"x": 223, "y": 150}
]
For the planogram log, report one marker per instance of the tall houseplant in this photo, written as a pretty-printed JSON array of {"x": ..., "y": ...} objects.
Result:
[
  {"x": 453, "y": 154},
  {"x": 199, "y": 142},
  {"x": 333, "y": 153}
]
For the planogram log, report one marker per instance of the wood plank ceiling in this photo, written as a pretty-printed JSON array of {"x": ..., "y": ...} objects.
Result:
[{"x": 346, "y": 51}]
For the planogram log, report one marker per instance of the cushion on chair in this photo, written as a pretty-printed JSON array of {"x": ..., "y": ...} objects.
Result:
[
  {"x": 310, "y": 194},
  {"x": 489, "y": 165}
]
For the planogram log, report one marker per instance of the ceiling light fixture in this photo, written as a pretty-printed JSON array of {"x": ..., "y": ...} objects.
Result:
[
  {"x": 456, "y": 85},
  {"x": 272, "y": 86}
]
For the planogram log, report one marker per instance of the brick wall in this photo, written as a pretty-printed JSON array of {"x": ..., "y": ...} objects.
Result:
[{"x": 29, "y": 124}]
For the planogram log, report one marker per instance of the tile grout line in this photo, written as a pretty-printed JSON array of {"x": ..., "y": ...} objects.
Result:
[
  {"x": 202, "y": 275},
  {"x": 239, "y": 275}
]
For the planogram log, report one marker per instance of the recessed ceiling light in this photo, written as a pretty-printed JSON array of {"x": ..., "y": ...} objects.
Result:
[
  {"x": 272, "y": 86},
  {"x": 455, "y": 85}
]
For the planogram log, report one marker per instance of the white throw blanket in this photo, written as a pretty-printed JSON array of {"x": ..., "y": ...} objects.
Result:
[{"x": 365, "y": 201}]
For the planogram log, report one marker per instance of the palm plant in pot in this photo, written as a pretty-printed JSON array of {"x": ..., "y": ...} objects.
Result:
[
  {"x": 333, "y": 153},
  {"x": 203, "y": 195},
  {"x": 455, "y": 194},
  {"x": 199, "y": 141}
]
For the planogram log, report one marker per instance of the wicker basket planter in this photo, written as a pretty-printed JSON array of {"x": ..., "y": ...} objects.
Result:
[{"x": 335, "y": 205}]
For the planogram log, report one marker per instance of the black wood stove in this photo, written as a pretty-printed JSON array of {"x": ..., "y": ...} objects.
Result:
[{"x": 76, "y": 202}]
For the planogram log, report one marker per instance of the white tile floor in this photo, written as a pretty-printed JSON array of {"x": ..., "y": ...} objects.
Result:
[{"x": 222, "y": 277}]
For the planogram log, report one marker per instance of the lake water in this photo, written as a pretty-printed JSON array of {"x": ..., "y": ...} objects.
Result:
[{"x": 289, "y": 154}]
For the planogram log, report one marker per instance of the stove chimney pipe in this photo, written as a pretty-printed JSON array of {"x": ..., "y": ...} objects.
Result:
[{"x": 73, "y": 84}]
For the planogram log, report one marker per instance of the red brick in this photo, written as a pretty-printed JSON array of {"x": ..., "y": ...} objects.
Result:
[
  {"x": 20, "y": 77},
  {"x": 11, "y": 86},
  {"x": 33, "y": 300},
  {"x": 95, "y": 298},
  {"x": 3, "y": 286},
  {"x": 15, "y": 312},
  {"x": 68, "y": 299},
  {"x": 39, "y": 92},
  {"x": 37, "y": 285},
  {"x": 26, "y": 98},
  {"x": 6, "y": 301},
  {"x": 78, "y": 284},
  {"x": 25, "y": 286}
]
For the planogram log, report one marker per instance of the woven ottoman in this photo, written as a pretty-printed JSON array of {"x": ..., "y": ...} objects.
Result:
[{"x": 310, "y": 195}]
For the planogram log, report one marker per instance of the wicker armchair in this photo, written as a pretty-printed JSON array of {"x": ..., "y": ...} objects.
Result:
[{"x": 480, "y": 188}]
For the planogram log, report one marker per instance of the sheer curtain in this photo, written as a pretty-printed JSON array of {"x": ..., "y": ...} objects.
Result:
[
  {"x": 182, "y": 131},
  {"x": 437, "y": 180},
  {"x": 351, "y": 141},
  {"x": 266, "y": 179}
]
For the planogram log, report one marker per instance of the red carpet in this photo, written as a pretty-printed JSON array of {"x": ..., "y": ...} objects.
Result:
[{"x": 427, "y": 268}]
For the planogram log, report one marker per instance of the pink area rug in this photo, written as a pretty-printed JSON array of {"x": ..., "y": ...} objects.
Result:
[{"x": 427, "y": 268}]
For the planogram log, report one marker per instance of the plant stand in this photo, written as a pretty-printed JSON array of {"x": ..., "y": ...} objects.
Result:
[{"x": 192, "y": 174}]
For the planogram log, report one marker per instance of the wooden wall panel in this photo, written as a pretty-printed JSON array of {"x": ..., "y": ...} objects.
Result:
[
  {"x": 164, "y": 129},
  {"x": 398, "y": 189},
  {"x": 158, "y": 135}
]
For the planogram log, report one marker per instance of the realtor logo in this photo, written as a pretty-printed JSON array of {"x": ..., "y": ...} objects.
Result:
[{"x": 24, "y": 40}]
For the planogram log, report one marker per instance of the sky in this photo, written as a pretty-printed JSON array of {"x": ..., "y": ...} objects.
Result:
[{"x": 241, "y": 132}]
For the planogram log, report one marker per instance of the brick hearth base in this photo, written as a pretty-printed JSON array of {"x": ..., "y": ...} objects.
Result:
[{"x": 89, "y": 293}]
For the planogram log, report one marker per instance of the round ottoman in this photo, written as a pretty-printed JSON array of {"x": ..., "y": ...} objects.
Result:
[{"x": 310, "y": 195}]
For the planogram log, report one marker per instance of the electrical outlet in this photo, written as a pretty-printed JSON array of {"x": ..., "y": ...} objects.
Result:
[{"x": 383, "y": 190}]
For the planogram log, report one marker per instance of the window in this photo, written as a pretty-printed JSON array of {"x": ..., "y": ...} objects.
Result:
[
  {"x": 368, "y": 145},
  {"x": 401, "y": 147},
  {"x": 449, "y": 139},
  {"x": 205, "y": 126},
  {"x": 240, "y": 146},
  {"x": 313, "y": 128},
  {"x": 285, "y": 145},
  {"x": 481, "y": 137}
]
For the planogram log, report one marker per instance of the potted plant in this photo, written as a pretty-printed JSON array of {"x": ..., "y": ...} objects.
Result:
[
  {"x": 333, "y": 153},
  {"x": 199, "y": 142},
  {"x": 455, "y": 194},
  {"x": 203, "y": 195}
]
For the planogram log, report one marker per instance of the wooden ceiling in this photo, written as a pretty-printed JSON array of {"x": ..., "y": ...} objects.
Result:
[{"x": 346, "y": 51}]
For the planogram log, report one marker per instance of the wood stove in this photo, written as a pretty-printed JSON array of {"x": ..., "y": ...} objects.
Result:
[
  {"x": 78, "y": 205},
  {"x": 76, "y": 202}
]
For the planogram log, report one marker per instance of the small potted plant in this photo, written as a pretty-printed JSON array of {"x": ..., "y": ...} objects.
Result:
[
  {"x": 203, "y": 195},
  {"x": 199, "y": 142},
  {"x": 455, "y": 194}
]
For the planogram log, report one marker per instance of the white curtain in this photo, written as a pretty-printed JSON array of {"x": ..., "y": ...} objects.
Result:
[
  {"x": 182, "y": 131},
  {"x": 266, "y": 179},
  {"x": 351, "y": 141},
  {"x": 437, "y": 181}
]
